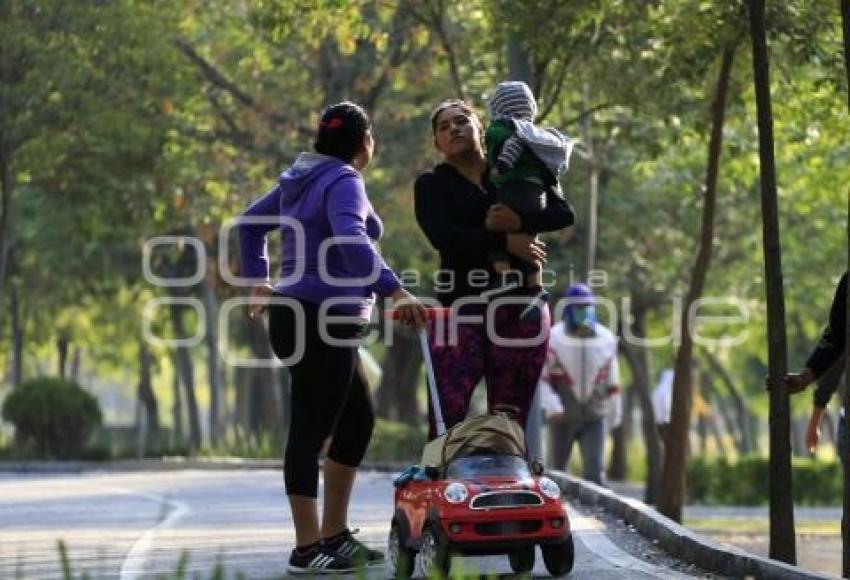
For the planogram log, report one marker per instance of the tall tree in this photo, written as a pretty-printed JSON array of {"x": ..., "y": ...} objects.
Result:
[
  {"x": 845, "y": 516},
  {"x": 673, "y": 483},
  {"x": 637, "y": 356},
  {"x": 782, "y": 540}
]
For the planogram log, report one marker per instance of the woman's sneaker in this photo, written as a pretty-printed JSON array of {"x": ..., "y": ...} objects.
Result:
[
  {"x": 347, "y": 546},
  {"x": 319, "y": 559}
]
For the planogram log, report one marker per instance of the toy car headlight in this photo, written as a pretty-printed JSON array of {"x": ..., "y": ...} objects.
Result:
[
  {"x": 455, "y": 493},
  {"x": 549, "y": 488}
]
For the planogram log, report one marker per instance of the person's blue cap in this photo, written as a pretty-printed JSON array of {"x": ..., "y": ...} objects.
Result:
[
  {"x": 580, "y": 291},
  {"x": 579, "y": 310}
]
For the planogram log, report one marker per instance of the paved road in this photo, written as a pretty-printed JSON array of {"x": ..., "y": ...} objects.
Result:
[{"x": 137, "y": 525}]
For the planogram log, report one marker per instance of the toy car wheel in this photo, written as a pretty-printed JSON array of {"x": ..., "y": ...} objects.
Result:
[
  {"x": 401, "y": 557},
  {"x": 433, "y": 553},
  {"x": 522, "y": 560},
  {"x": 559, "y": 557}
]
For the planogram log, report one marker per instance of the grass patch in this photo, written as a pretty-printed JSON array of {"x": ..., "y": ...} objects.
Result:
[{"x": 760, "y": 526}]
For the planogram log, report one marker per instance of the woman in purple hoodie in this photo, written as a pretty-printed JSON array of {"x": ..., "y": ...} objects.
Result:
[{"x": 330, "y": 272}]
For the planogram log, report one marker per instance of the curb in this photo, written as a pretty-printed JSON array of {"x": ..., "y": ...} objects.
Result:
[{"x": 676, "y": 540}]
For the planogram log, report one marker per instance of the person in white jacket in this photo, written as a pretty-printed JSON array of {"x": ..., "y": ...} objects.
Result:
[{"x": 580, "y": 384}]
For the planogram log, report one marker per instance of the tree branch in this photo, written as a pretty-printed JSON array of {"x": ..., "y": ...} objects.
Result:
[
  {"x": 397, "y": 55},
  {"x": 435, "y": 20},
  {"x": 581, "y": 116},
  {"x": 218, "y": 79}
]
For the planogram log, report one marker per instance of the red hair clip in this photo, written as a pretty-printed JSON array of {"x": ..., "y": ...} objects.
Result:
[{"x": 333, "y": 123}]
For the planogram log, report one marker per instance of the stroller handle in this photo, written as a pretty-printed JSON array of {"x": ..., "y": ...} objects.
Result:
[{"x": 433, "y": 314}]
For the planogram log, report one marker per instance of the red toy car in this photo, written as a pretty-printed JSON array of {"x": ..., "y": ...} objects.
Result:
[{"x": 477, "y": 505}]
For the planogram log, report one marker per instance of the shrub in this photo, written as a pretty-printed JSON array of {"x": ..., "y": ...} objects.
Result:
[
  {"x": 746, "y": 481},
  {"x": 53, "y": 418}
]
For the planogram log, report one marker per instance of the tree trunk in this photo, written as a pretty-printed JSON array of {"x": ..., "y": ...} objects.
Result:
[
  {"x": 186, "y": 369},
  {"x": 147, "y": 397},
  {"x": 213, "y": 371},
  {"x": 242, "y": 412},
  {"x": 719, "y": 407},
  {"x": 520, "y": 68},
  {"x": 782, "y": 540},
  {"x": 62, "y": 344},
  {"x": 637, "y": 358},
  {"x": 177, "y": 407},
  {"x": 396, "y": 395},
  {"x": 593, "y": 184},
  {"x": 743, "y": 415},
  {"x": 519, "y": 62},
  {"x": 702, "y": 432},
  {"x": 17, "y": 339},
  {"x": 617, "y": 467},
  {"x": 673, "y": 483},
  {"x": 438, "y": 22},
  {"x": 76, "y": 362},
  {"x": 716, "y": 433},
  {"x": 267, "y": 397},
  {"x": 5, "y": 208}
]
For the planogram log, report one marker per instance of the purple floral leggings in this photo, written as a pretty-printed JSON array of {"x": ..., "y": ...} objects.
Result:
[{"x": 510, "y": 370}]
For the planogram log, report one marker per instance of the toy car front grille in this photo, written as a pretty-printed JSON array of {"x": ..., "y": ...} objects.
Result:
[
  {"x": 508, "y": 528},
  {"x": 503, "y": 499}
]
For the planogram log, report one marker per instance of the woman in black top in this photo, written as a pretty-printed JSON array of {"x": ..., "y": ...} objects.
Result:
[{"x": 505, "y": 342}]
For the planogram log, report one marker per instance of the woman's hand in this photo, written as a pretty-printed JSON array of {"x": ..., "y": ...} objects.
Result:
[
  {"x": 501, "y": 218},
  {"x": 259, "y": 299},
  {"x": 411, "y": 312},
  {"x": 794, "y": 382},
  {"x": 813, "y": 430},
  {"x": 527, "y": 248}
]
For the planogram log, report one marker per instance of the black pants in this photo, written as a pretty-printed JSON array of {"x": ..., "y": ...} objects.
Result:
[{"x": 329, "y": 396}]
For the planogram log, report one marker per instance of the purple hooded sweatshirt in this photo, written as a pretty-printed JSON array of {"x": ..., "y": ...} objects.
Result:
[{"x": 327, "y": 197}]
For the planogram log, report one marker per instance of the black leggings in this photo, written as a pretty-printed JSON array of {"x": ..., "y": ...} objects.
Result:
[{"x": 329, "y": 396}]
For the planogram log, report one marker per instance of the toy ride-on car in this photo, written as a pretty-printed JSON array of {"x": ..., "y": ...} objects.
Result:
[
  {"x": 479, "y": 505},
  {"x": 474, "y": 494}
]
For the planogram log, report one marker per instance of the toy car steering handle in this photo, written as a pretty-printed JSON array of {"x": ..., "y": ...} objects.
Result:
[{"x": 433, "y": 314}]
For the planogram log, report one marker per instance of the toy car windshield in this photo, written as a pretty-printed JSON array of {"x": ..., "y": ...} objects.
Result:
[{"x": 487, "y": 465}]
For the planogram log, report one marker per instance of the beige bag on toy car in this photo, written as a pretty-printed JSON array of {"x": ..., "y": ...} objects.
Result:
[{"x": 493, "y": 433}]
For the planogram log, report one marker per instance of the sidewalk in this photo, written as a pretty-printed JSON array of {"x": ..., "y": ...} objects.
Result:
[
  {"x": 747, "y": 528},
  {"x": 815, "y": 513}
]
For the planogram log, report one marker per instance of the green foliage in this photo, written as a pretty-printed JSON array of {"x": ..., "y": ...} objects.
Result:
[
  {"x": 53, "y": 417},
  {"x": 121, "y": 121},
  {"x": 746, "y": 481},
  {"x": 393, "y": 441},
  {"x": 265, "y": 446}
]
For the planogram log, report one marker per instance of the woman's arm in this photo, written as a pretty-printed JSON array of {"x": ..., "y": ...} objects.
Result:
[
  {"x": 347, "y": 208},
  {"x": 252, "y": 236}
]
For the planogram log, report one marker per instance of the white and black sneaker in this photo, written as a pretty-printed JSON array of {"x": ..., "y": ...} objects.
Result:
[
  {"x": 319, "y": 559},
  {"x": 347, "y": 546}
]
